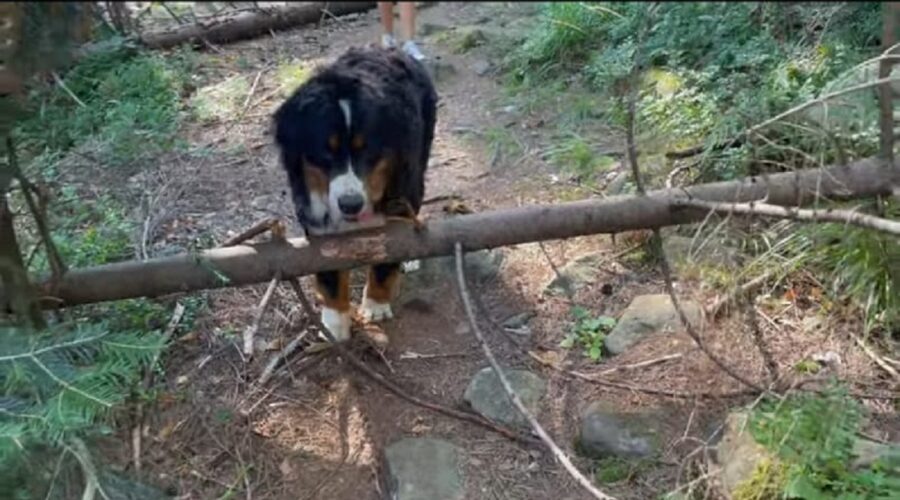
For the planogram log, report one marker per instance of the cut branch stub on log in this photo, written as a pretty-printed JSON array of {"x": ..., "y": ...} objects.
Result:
[
  {"x": 398, "y": 242},
  {"x": 245, "y": 25}
]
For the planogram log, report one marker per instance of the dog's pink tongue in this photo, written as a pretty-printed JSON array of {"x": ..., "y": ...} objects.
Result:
[{"x": 365, "y": 216}]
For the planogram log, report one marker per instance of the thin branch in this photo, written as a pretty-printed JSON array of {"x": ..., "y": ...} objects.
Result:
[
  {"x": 250, "y": 331},
  {"x": 257, "y": 229},
  {"x": 642, "y": 364},
  {"x": 767, "y": 210},
  {"x": 631, "y": 149},
  {"x": 875, "y": 357},
  {"x": 592, "y": 378},
  {"x": 718, "y": 306},
  {"x": 277, "y": 358},
  {"x": 59, "y": 81},
  {"x": 517, "y": 402},
  {"x": 380, "y": 380}
]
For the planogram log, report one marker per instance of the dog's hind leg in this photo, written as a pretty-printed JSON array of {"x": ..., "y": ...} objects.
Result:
[
  {"x": 381, "y": 287},
  {"x": 333, "y": 288}
]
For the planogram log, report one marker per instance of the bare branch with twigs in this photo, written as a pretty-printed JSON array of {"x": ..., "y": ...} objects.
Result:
[
  {"x": 813, "y": 215},
  {"x": 516, "y": 400}
]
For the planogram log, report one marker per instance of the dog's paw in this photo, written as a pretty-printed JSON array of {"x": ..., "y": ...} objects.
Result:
[
  {"x": 338, "y": 323},
  {"x": 375, "y": 311}
]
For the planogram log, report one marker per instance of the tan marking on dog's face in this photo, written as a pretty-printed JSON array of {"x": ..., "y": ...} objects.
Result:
[
  {"x": 358, "y": 142},
  {"x": 377, "y": 180},
  {"x": 316, "y": 179},
  {"x": 334, "y": 142}
]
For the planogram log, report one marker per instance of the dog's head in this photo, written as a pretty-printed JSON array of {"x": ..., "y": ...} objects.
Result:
[{"x": 339, "y": 137}]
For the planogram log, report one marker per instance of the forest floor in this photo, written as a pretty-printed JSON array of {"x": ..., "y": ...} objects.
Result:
[{"x": 320, "y": 429}]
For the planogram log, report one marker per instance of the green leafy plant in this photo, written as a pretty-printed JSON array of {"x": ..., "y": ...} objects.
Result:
[
  {"x": 813, "y": 436},
  {"x": 589, "y": 332}
]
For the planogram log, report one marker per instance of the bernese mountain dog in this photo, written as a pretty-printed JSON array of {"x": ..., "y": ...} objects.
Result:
[{"x": 354, "y": 141}]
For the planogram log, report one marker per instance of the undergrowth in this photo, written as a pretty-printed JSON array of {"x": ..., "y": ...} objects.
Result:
[
  {"x": 710, "y": 70},
  {"x": 117, "y": 107},
  {"x": 813, "y": 437}
]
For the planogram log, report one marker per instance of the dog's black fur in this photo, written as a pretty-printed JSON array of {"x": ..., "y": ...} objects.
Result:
[{"x": 394, "y": 107}]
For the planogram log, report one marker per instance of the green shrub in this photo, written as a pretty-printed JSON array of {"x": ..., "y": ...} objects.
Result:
[{"x": 813, "y": 436}]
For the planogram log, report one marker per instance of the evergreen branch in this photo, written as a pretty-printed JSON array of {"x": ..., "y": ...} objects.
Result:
[
  {"x": 66, "y": 345},
  {"x": 65, "y": 384}
]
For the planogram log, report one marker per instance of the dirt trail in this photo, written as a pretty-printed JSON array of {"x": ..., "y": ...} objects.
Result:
[{"x": 320, "y": 430}]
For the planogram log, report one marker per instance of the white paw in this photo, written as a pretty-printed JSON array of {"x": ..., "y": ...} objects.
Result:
[
  {"x": 411, "y": 266},
  {"x": 375, "y": 311},
  {"x": 338, "y": 323}
]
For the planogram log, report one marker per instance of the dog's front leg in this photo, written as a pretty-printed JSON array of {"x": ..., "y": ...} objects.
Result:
[
  {"x": 381, "y": 287},
  {"x": 333, "y": 288}
]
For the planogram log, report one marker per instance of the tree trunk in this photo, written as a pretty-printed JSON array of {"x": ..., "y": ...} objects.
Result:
[
  {"x": 250, "y": 24},
  {"x": 22, "y": 300},
  {"x": 251, "y": 264}
]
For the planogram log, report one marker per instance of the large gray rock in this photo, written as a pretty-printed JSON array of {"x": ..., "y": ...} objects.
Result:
[
  {"x": 608, "y": 433},
  {"x": 575, "y": 275},
  {"x": 683, "y": 252},
  {"x": 648, "y": 315},
  {"x": 424, "y": 469},
  {"x": 486, "y": 395}
]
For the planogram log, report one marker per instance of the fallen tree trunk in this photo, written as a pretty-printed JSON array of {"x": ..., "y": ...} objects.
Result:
[
  {"x": 397, "y": 242},
  {"x": 245, "y": 25}
]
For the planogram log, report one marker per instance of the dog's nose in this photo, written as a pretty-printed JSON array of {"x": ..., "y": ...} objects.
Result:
[{"x": 351, "y": 203}]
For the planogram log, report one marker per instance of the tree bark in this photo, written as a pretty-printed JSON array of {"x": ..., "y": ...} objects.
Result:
[
  {"x": 250, "y": 24},
  {"x": 397, "y": 242}
]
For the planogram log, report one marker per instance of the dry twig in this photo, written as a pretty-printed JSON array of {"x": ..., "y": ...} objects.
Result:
[
  {"x": 875, "y": 357},
  {"x": 802, "y": 214},
  {"x": 255, "y": 230},
  {"x": 250, "y": 331},
  {"x": 517, "y": 402}
]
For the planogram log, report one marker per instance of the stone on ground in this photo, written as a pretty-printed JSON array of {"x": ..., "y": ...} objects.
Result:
[
  {"x": 606, "y": 432},
  {"x": 121, "y": 487},
  {"x": 575, "y": 275},
  {"x": 683, "y": 251},
  {"x": 648, "y": 315},
  {"x": 487, "y": 396},
  {"x": 424, "y": 469}
]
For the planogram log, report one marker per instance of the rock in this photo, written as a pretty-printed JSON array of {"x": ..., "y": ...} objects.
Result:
[
  {"x": 440, "y": 70},
  {"x": 424, "y": 469},
  {"x": 428, "y": 29},
  {"x": 467, "y": 38},
  {"x": 647, "y": 315},
  {"x": 606, "y": 432},
  {"x": 737, "y": 453},
  {"x": 617, "y": 185},
  {"x": 868, "y": 452},
  {"x": 517, "y": 321},
  {"x": 481, "y": 68},
  {"x": 487, "y": 396},
  {"x": 683, "y": 251},
  {"x": 481, "y": 266},
  {"x": 575, "y": 275}
]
